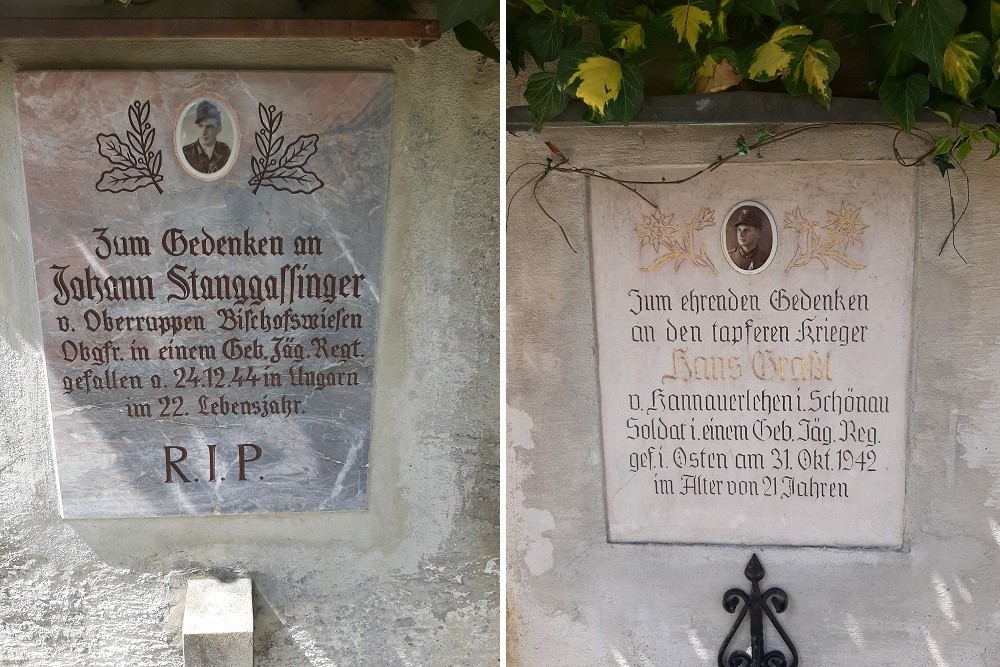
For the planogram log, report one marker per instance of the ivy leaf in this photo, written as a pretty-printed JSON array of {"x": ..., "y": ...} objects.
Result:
[
  {"x": 774, "y": 57},
  {"x": 544, "y": 97},
  {"x": 995, "y": 59},
  {"x": 741, "y": 145},
  {"x": 537, "y": 6},
  {"x": 891, "y": 55},
  {"x": 719, "y": 31},
  {"x": 992, "y": 94},
  {"x": 925, "y": 27},
  {"x": 630, "y": 94},
  {"x": 945, "y": 106},
  {"x": 453, "y": 12},
  {"x": 902, "y": 96},
  {"x": 967, "y": 132},
  {"x": 545, "y": 41},
  {"x": 846, "y": 7},
  {"x": 689, "y": 21},
  {"x": 572, "y": 37},
  {"x": 599, "y": 11},
  {"x": 884, "y": 8},
  {"x": 474, "y": 39},
  {"x": 992, "y": 134},
  {"x": 769, "y": 8},
  {"x": 600, "y": 80},
  {"x": 943, "y": 146},
  {"x": 629, "y": 36},
  {"x": 962, "y": 150},
  {"x": 942, "y": 163},
  {"x": 686, "y": 71},
  {"x": 592, "y": 116},
  {"x": 517, "y": 44},
  {"x": 717, "y": 72},
  {"x": 963, "y": 59},
  {"x": 984, "y": 16},
  {"x": 571, "y": 57},
  {"x": 813, "y": 72}
]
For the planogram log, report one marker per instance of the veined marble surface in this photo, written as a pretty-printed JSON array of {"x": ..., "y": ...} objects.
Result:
[{"x": 254, "y": 292}]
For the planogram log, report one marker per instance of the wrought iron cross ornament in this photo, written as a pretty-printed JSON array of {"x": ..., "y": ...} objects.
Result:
[{"x": 758, "y": 605}]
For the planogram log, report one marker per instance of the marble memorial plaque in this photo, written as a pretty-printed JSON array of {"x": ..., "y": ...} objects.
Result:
[
  {"x": 754, "y": 342},
  {"x": 207, "y": 250}
]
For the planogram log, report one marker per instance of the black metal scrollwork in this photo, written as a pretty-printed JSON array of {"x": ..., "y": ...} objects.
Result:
[{"x": 758, "y": 605}]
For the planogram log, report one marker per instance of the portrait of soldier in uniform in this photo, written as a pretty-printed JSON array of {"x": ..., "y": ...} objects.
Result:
[
  {"x": 200, "y": 135},
  {"x": 748, "y": 236}
]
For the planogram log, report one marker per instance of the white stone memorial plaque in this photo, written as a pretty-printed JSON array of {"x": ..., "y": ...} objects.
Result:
[
  {"x": 754, "y": 344},
  {"x": 207, "y": 252}
]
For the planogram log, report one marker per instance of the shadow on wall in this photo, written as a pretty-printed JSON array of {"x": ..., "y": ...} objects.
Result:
[{"x": 272, "y": 637}]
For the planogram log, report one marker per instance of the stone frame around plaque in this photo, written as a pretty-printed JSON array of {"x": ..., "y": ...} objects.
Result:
[
  {"x": 768, "y": 236},
  {"x": 732, "y": 401},
  {"x": 185, "y": 135}
]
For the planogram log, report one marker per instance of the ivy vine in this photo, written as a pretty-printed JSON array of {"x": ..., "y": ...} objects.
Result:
[
  {"x": 557, "y": 162},
  {"x": 943, "y": 55}
]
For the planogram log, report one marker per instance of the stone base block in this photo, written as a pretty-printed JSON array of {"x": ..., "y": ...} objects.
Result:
[{"x": 218, "y": 623}]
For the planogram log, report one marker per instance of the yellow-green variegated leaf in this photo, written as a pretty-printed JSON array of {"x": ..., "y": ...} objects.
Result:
[
  {"x": 719, "y": 30},
  {"x": 716, "y": 74},
  {"x": 629, "y": 36},
  {"x": 813, "y": 72},
  {"x": 774, "y": 57},
  {"x": 689, "y": 22},
  {"x": 600, "y": 80},
  {"x": 963, "y": 59}
]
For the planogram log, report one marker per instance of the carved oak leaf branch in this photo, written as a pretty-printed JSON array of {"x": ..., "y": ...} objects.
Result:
[
  {"x": 134, "y": 164},
  {"x": 677, "y": 250},
  {"x": 286, "y": 172}
]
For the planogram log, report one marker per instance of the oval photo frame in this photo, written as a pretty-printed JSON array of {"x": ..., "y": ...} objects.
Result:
[
  {"x": 765, "y": 243},
  {"x": 188, "y": 141}
]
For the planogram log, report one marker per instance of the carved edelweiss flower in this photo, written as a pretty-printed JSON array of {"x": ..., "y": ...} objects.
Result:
[
  {"x": 656, "y": 230},
  {"x": 846, "y": 224},
  {"x": 795, "y": 220},
  {"x": 705, "y": 218}
]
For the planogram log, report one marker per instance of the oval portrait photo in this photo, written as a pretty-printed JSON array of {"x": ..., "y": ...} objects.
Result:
[
  {"x": 205, "y": 138},
  {"x": 748, "y": 236}
]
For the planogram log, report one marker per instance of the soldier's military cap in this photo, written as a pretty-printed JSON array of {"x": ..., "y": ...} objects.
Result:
[
  {"x": 207, "y": 110},
  {"x": 748, "y": 215}
]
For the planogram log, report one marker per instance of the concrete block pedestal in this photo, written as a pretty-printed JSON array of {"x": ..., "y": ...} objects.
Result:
[{"x": 218, "y": 623}]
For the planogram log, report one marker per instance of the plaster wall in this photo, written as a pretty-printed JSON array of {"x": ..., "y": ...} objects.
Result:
[
  {"x": 575, "y": 599},
  {"x": 412, "y": 581}
]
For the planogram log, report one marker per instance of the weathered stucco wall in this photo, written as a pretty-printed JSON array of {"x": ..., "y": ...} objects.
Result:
[
  {"x": 412, "y": 581},
  {"x": 575, "y": 599}
]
